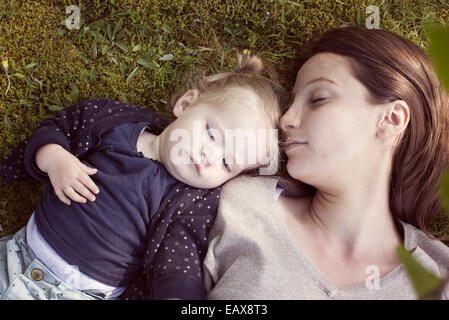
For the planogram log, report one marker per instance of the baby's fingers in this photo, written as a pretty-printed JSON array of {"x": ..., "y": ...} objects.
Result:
[
  {"x": 83, "y": 191},
  {"x": 61, "y": 196},
  {"x": 88, "y": 183},
  {"x": 71, "y": 193},
  {"x": 89, "y": 170}
]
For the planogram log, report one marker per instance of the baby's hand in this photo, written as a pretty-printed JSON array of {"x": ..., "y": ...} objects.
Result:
[{"x": 68, "y": 175}]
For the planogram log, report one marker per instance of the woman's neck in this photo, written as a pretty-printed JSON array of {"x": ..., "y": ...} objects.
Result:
[{"x": 355, "y": 221}]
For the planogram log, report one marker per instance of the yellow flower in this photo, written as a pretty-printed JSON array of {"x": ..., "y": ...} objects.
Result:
[
  {"x": 5, "y": 65},
  {"x": 5, "y": 68},
  {"x": 246, "y": 51}
]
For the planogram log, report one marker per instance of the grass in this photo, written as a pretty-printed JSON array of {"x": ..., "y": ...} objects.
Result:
[{"x": 117, "y": 51}]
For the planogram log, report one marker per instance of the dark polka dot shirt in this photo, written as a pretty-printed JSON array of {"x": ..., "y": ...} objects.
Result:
[{"x": 176, "y": 250}]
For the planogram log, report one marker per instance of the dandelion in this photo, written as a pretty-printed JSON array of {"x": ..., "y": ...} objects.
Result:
[{"x": 5, "y": 68}]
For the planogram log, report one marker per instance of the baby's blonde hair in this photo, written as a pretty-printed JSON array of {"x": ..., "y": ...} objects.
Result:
[{"x": 253, "y": 73}]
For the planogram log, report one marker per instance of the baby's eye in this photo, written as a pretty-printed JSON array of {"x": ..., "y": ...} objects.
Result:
[
  {"x": 208, "y": 132},
  {"x": 225, "y": 164}
]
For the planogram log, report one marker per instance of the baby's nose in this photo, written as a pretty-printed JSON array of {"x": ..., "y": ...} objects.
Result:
[{"x": 209, "y": 154}]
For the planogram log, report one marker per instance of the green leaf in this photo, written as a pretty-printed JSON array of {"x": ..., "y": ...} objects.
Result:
[
  {"x": 74, "y": 93},
  {"x": 30, "y": 65},
  {"x": 120, "y": 35},
  {"x": 109, "y": 29},
  {"x": 61, "y": 32},
  {"x": 93, "y": 50},
  {"x": 118, "y": 26},
  {"x": 18, "y": 75},
  {"x": 104, "y": 49},
  {"x": 7, "y": 123},
  {"x": 136, "y": 48},
  {"x": 92, "y": 73},
  {"x": 122, "y": 46},
  {"x": 165, "y": 27},
  {"x": 130, "y": 77},
  {"x": 444, "y": 192},
  {"x": 148, "y": 64},
  {"x": 25, "y": 102},
  {"x": 122, "y": 68},
  {"x": 426, "y": 284},
  {"x": 124, "y": 97},
  {"x": 114, "y": 59},
  {"x": 439, "y": 51},
  {"x": 167, "y": 57},
  {"x": 360, "y": 17},
  {"x": 98, "y": 36},
  {"x": 55, "y": 108},
  {"x": 40, "y": 84},
  {"x": 84, "y": 73}
]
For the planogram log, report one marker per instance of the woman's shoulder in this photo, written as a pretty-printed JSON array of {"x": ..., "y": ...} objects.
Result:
[
  {"x": 246, "y": 199},
  {"x": 433, "y": 248},
  {"x": 245, "y": 186}
]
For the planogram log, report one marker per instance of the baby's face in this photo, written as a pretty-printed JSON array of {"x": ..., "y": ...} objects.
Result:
[{"x": 208, "y": 145}]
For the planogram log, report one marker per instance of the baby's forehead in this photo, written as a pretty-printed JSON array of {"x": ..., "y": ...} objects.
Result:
[
  {"x": 245, "y": 99},
  {"x": 242, "y": 113}
]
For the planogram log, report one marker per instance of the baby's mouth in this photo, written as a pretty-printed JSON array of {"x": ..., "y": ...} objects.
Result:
[{"x": 197, "y": 166}]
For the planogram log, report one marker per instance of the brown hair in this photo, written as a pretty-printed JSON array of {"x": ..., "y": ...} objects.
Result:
[
  {"x": 393, "y": 68},
  {"x": 254, "y": 73}
]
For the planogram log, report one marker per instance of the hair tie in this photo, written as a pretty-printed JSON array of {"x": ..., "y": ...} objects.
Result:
[{"x": 239, "y": 71}]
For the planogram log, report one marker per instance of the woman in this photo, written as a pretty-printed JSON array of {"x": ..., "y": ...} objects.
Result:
[{"x": 368, "y": 130}]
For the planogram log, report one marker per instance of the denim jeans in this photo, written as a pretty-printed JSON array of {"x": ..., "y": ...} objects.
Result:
[{"x": 24, "y": 277}]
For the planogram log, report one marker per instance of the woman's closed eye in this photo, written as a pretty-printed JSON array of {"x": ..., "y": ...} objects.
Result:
[{"x": 318, "y": 100}]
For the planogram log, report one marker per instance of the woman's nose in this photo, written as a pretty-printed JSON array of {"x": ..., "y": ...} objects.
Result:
[{"x": 290, "y": 120}]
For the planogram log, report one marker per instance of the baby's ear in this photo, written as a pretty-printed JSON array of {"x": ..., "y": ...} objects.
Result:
[{"x": 185, "y": 101}]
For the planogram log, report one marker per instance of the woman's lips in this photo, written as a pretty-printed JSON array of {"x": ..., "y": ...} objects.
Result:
[{"x": 292, "y": 144}]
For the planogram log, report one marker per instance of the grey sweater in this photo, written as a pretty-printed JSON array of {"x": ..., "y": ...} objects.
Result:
[{"x": 252, "y": 256}]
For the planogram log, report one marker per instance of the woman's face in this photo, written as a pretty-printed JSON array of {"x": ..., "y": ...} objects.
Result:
[{"x": 330, "y": 123}]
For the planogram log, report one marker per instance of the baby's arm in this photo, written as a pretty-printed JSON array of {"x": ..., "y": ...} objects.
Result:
[
  {"x": 73, "y": 128},
  {"x": 48, "y": 152},
  {"x": 65, "y": 130},
  {"x": 68, "y": 175}
]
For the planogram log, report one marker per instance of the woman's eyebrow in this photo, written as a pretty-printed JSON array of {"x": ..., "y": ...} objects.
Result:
[{"x": 321, "y": 79}]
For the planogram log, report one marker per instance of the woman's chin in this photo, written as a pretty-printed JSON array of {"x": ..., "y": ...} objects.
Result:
[
  {"x": 301, "y": 173},
  {"x": 295, "y": 170}
]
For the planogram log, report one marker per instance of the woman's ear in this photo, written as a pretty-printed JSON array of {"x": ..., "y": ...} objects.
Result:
[
  {"x": 185, "y": 101},
  {"x": 394, "y": 119}
]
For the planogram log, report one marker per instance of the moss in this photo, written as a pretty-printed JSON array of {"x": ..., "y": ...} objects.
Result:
[{"x": 198, "y": 33}]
